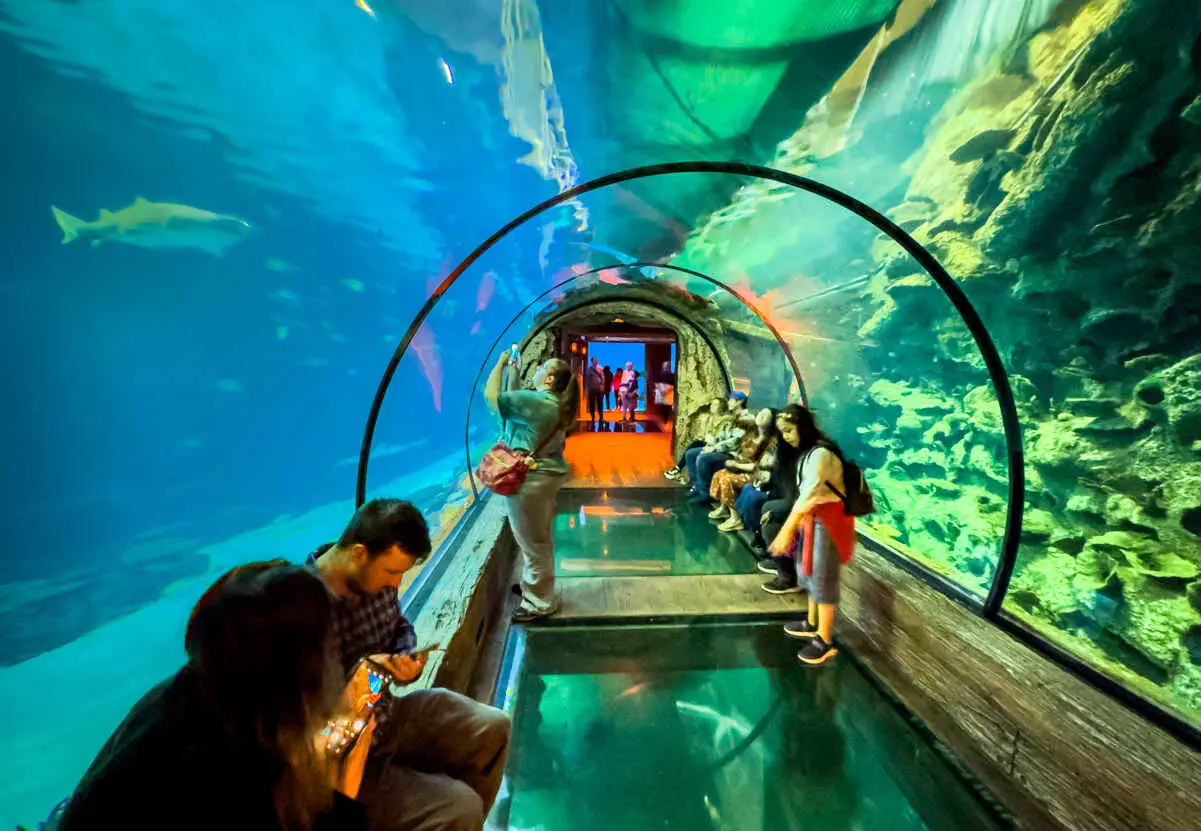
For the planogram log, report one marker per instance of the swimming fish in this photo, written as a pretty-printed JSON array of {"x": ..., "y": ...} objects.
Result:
[
  {"x": 431, "y": 362},
  {"x": 157, "y": 225},
  {"x": 353, "y": 284},
  {"x": 484, "y": 293}
]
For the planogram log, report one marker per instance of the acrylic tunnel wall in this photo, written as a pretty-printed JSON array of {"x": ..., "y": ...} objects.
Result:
[
  {"x": 897, "y": 376},
  {"x": 170, "y": 413}
]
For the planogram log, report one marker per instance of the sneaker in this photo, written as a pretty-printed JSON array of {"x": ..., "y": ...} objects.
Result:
[
  {"x": 767, "y": 565},
  {"x": 671, "y": 474},
  {"x": 720, "y": 512},
  {"x": 734, "y": 523},
  {"x": 817, "y": 652},
  {"x": 523, "y": 615},
  {"x": 802, "y": 630},
  {"x": 780, "y": 586}
]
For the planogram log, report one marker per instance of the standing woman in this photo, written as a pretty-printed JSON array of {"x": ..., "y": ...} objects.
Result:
[
  {"x": 536, "y": 422},
  {"x": 819, "y": 533}
]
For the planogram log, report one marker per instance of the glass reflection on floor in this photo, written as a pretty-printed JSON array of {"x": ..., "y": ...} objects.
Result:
[
  {"x": 647, "y": 531},
  {"x": 710, "y": 727}
]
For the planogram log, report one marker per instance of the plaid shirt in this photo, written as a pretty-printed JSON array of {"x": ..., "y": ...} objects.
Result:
[{"x": 368, "y": 625}]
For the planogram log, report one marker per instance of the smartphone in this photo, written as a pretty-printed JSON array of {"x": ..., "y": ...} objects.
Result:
[
  {"x": 422, "y": 650},
  {"x": 367, "y": 686}
]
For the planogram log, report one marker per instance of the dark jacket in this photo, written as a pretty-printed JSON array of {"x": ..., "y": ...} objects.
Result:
[
  {"x": 594, "y": 379},
  {"x": 172, "y": 764},
  {"x": 782, "y": 483}
]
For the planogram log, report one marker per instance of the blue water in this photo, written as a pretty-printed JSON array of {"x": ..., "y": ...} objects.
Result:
[{"x": 169, "y": 413}]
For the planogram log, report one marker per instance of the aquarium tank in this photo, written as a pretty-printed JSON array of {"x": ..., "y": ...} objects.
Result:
[{"x": 221, "y": 219}]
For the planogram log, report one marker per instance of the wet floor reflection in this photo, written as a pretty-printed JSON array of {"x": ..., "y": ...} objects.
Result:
[
  {"x": 641, "y": 532},
  {"x": 712, "y": 727},
  {"x": 617, "y": 425}
]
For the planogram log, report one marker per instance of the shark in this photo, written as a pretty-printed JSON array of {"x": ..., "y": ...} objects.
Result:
[{"x": 157, "y": 225}]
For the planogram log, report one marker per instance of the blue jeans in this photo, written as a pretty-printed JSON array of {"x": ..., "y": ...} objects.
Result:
[
  {"x": 682, "y": 464},
  {"x": 707, "y": 465},
  {"x": 750, "y": 507},
  {"x": 690, "y": 457}
]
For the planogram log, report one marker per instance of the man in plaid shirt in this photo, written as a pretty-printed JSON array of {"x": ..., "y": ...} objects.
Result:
[{"x": 437, "y": 757}]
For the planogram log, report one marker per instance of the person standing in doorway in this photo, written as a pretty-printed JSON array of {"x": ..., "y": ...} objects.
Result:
[
  {"x": 594, "y": 388},
  {"x": 536, "y": 423},
  {"x": 629, "y": 393},
  {"x": 608, "y": 388}
]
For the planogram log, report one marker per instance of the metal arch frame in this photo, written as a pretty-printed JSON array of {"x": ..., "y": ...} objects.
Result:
[
  {"x": 984, "y": 343},
  {"x": 784, "y": 347},
  {"x": 991, "y": 608},
  {"x": 725, "y": 374}
]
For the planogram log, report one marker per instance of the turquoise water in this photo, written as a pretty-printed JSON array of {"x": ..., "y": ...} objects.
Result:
[
  {"x": 191, "y": 391},
  {"x": 712, "y": 726}
]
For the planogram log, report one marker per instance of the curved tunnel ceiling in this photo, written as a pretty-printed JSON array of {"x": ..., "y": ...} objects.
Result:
[
  {"x": 619, "y": 293},
  {"x": 560, "y": 316},
  {"x": 998, "y": 375},
  {"x": 701, "y": 79}
]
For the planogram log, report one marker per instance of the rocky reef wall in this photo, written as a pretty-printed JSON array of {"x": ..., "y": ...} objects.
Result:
[{"x": 1061, "y": 187}]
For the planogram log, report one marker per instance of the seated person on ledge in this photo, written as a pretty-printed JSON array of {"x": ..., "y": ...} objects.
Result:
[
  {"x": 227, "y": 742},
  {"x": 437, "y": 757},
  {"x": 712, "y": 457}
]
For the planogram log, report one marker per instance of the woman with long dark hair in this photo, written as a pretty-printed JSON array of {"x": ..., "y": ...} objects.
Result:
[
  {"x": 231, "y": 740},
  {"x": 817, "y": 532},
  {"x": 536, "y": 422}
]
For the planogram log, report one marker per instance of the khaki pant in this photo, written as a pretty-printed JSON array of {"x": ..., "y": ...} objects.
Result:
[
  {"x": 532, "y": 517},
  {"x": 438, "y": 764}
]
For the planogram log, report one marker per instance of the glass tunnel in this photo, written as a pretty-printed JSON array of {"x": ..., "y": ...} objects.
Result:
[{"x": 261, "y": 260}]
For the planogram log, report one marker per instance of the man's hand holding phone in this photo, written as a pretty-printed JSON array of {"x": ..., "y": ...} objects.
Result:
[{"x": 406, "y": 668}]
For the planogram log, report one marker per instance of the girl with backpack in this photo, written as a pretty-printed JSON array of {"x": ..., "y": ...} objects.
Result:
[{"x": 818, "y": 534}]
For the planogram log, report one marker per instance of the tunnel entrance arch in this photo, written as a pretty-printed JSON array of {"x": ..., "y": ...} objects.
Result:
[
  {"x": 559, "y": 316},
  {"x": 993, "y": 363},
  {"x": 636, "y": 265}
]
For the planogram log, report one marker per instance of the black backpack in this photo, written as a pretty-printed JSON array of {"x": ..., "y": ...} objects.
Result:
[{"x": 858, "y": 500}]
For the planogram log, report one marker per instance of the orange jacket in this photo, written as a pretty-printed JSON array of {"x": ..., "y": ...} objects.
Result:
[{"x": 838, "y": 524}]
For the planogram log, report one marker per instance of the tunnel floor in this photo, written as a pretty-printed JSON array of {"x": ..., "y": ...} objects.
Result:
[
  {"x": 618, "y": 460},
  {"x": 710, "y": 726},
  {"x": 647, "y": 531},
  {"x": 698, "y": 725}
]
